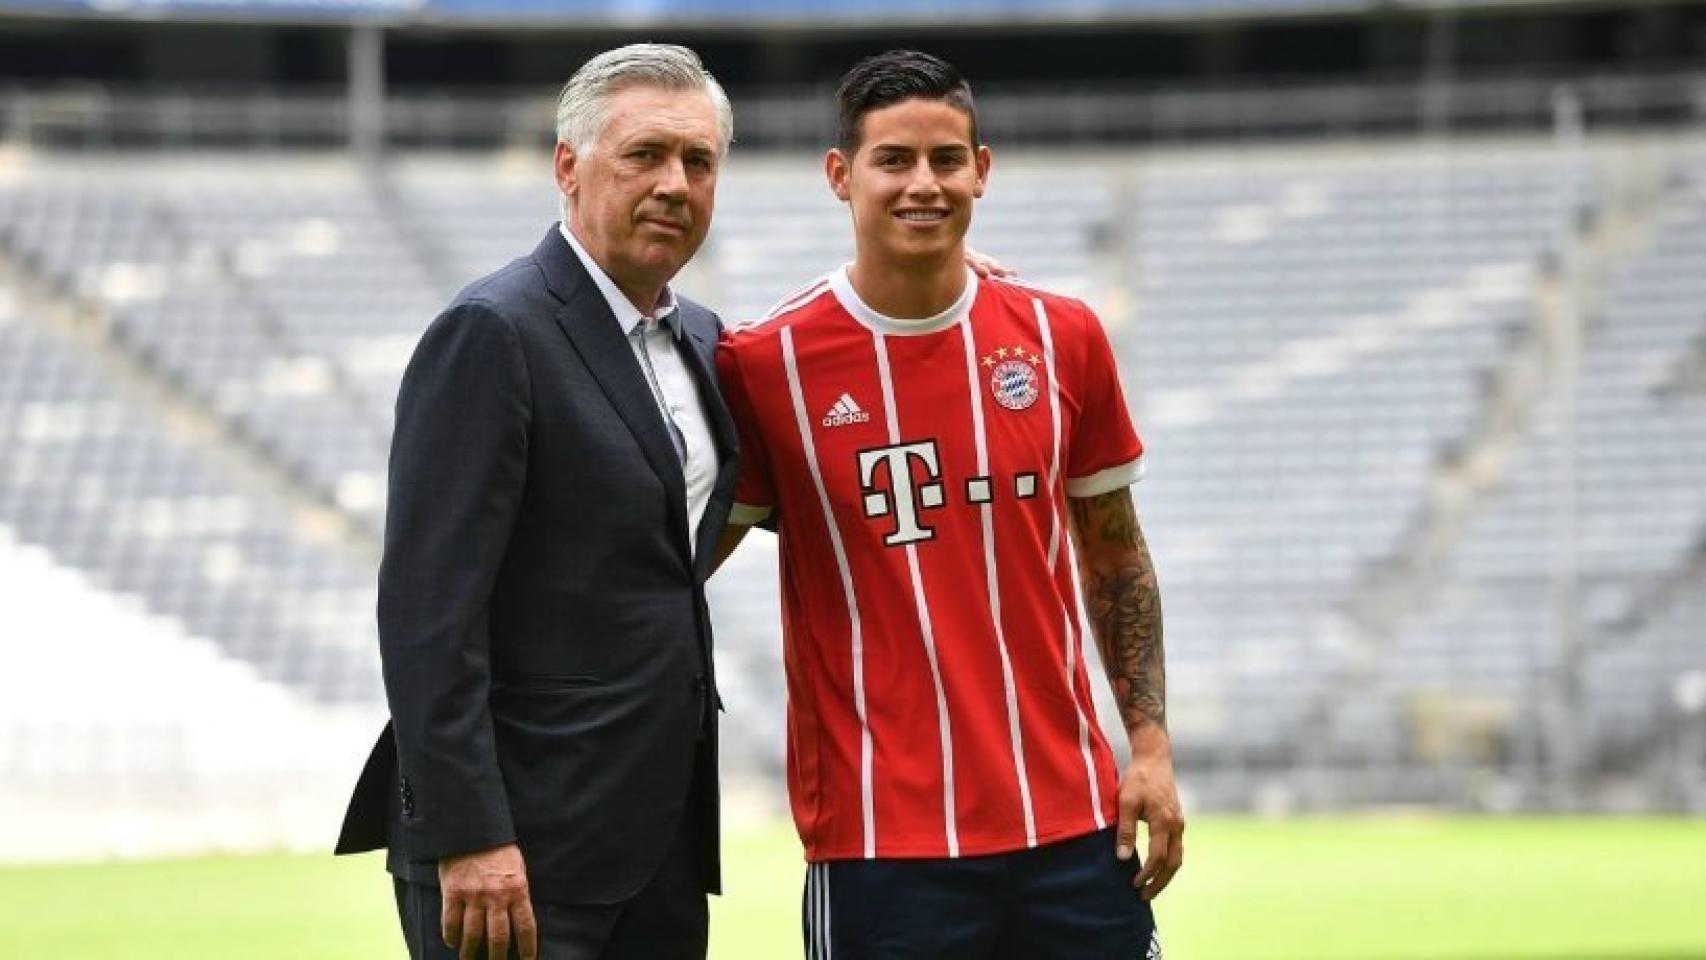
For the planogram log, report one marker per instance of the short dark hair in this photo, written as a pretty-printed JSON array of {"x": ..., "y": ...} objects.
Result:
[{"x": 893, "y": 77}]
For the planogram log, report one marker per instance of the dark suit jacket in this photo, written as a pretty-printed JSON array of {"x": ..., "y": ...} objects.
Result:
[{"x": 542, "y": 621}]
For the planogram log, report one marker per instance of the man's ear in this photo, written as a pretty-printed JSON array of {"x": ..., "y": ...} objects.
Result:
[
  {"x": 563, "y": 162},
  {"x": 982, "y": 160},
  {"x": 837, "y": 166}
]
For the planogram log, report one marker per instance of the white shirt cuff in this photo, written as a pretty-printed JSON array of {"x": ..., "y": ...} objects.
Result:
[{"x": 1105, "y": 481}]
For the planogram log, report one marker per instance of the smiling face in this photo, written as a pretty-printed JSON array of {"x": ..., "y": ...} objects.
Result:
[
  {"x": 910, "y": 184},
  {"x": 640, "y": 198}
]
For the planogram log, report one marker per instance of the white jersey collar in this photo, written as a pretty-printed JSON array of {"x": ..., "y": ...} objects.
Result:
[{"x": 842, "y": 286}]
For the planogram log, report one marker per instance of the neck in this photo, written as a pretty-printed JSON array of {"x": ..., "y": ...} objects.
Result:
[
  {"x": 643, "y": 296},
  {"x": 643, "y": 292},
  {"x": 909, "y": 291}
]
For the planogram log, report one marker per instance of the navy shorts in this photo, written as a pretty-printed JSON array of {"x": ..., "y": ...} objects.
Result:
[{"x": 1069, "y": 900}]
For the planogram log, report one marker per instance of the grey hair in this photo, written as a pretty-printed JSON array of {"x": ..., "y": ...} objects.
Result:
[{"x": 581, "y": 107}]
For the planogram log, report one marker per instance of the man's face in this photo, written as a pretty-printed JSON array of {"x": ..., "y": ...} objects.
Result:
[
  {"x": 911, "y": 184},
  {"x": 642, "y": 196}
]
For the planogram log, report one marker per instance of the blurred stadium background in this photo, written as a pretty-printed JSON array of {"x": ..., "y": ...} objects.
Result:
[{"x": 1410, "y": 297}]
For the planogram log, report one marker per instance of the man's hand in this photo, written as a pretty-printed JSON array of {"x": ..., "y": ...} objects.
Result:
[
  {"x": 486, "y": 902},
  {"x": 985, "y": 265},
  {"x": 1148, "y": 793}
]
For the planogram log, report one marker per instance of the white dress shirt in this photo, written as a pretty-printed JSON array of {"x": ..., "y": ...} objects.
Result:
[{"x": 653, "y": 340}]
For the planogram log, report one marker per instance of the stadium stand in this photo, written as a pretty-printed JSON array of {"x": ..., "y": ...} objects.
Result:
[
  {"x": 168, "y": 743},
  {"x": 1309, "y": 339},
  {"x": 244, "y": 296},
  {"x": 199, "y": 352},
  {"x": 153, "y": 506},
  {"x": 1642, "y": 516}
]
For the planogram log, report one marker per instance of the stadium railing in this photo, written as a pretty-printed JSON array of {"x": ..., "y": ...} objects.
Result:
[{"x": 93, "y": 116}]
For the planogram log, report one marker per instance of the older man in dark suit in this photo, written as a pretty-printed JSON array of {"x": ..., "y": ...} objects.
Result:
[{"x": 561, "y": 468}]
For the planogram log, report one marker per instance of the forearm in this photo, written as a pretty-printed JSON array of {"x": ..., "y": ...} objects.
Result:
[
  {"x": 1124, "y": 603},
  {"x": 727, "y": 541}
]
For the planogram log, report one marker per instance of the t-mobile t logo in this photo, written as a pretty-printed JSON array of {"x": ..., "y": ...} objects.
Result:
[{"x": 901, "y": 497}]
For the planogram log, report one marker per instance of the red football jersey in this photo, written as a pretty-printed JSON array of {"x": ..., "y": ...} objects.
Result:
[{"x": 937, "y": 702}]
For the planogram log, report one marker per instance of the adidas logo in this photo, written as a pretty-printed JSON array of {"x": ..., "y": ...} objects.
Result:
[{"x": 845, "y": 412}]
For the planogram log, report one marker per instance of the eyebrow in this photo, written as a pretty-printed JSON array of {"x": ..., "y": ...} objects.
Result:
[
  {"x": 888, "y": 148},
  {"x": 657, "y": 142}
]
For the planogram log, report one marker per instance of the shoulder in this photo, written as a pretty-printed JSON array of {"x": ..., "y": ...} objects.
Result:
[
  {"x": 471, "y": 330},
  {"x": 1019, "y": 291},
  {"x": 800, "y": 305},
  {"x": 1069, "y": 327},
  {"x": 471, "y": 348},
  {"x": 1072, "y": 324},
  {"x": 485, "y": 317}
]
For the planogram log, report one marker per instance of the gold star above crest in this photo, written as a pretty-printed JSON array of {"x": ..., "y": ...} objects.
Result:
[{"x": 1014, "y": 352}]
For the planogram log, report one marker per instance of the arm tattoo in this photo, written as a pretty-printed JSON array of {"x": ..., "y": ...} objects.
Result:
[{"x": 1124, "y": 602}]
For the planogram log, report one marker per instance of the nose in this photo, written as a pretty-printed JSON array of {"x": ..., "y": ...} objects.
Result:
[
  {"x": 922, "y": 183},
  {"x": 672, "y": 180}
]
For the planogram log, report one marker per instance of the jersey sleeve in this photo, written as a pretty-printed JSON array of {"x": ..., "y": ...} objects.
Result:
[
  {"x": 755, "y": 493},
  {"x": 1103, "y": 452}
]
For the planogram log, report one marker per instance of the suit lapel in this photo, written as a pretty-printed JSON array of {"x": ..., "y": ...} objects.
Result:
[{"x": 585, "y": 318}]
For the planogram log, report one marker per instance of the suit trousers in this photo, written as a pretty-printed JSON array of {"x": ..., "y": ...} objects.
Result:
[{"x": 668, "y": 919}]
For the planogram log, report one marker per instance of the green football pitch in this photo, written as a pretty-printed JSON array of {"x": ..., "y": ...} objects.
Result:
[{"x": 1368, "y": 888}]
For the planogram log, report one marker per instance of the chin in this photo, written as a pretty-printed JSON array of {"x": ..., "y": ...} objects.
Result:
[
  {"x": 921, "y": 253},
  {"x": 670, "y": 260}
]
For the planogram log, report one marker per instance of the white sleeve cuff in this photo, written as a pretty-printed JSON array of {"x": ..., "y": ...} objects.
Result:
[
  {"x": 745, "y": 514},
  {"x": 1105, "y": 481}
]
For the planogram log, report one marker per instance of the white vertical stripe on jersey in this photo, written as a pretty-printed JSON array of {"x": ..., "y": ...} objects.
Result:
[
  {"x": 1074, "y": 638},
  {"x": 981, "y": 435},
  {"x": 949, "y": 814},
  {"x": 814, "y": 930},
  {"x": 857, "y": 635},
  {"x": 817, "y": 911},
  {"x": 826, "y": 935},
  {"x": 1047, "y": 334}
]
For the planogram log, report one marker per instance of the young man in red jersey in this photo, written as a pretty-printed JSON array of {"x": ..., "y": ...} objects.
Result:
[{"x": 929, "y": 441}]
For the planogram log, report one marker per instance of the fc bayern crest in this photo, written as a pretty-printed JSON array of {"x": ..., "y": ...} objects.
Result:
[{"x": 1014, "y": 383}]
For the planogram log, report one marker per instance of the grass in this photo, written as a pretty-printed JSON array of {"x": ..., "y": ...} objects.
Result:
[{"x": 1322, "y": 889}]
